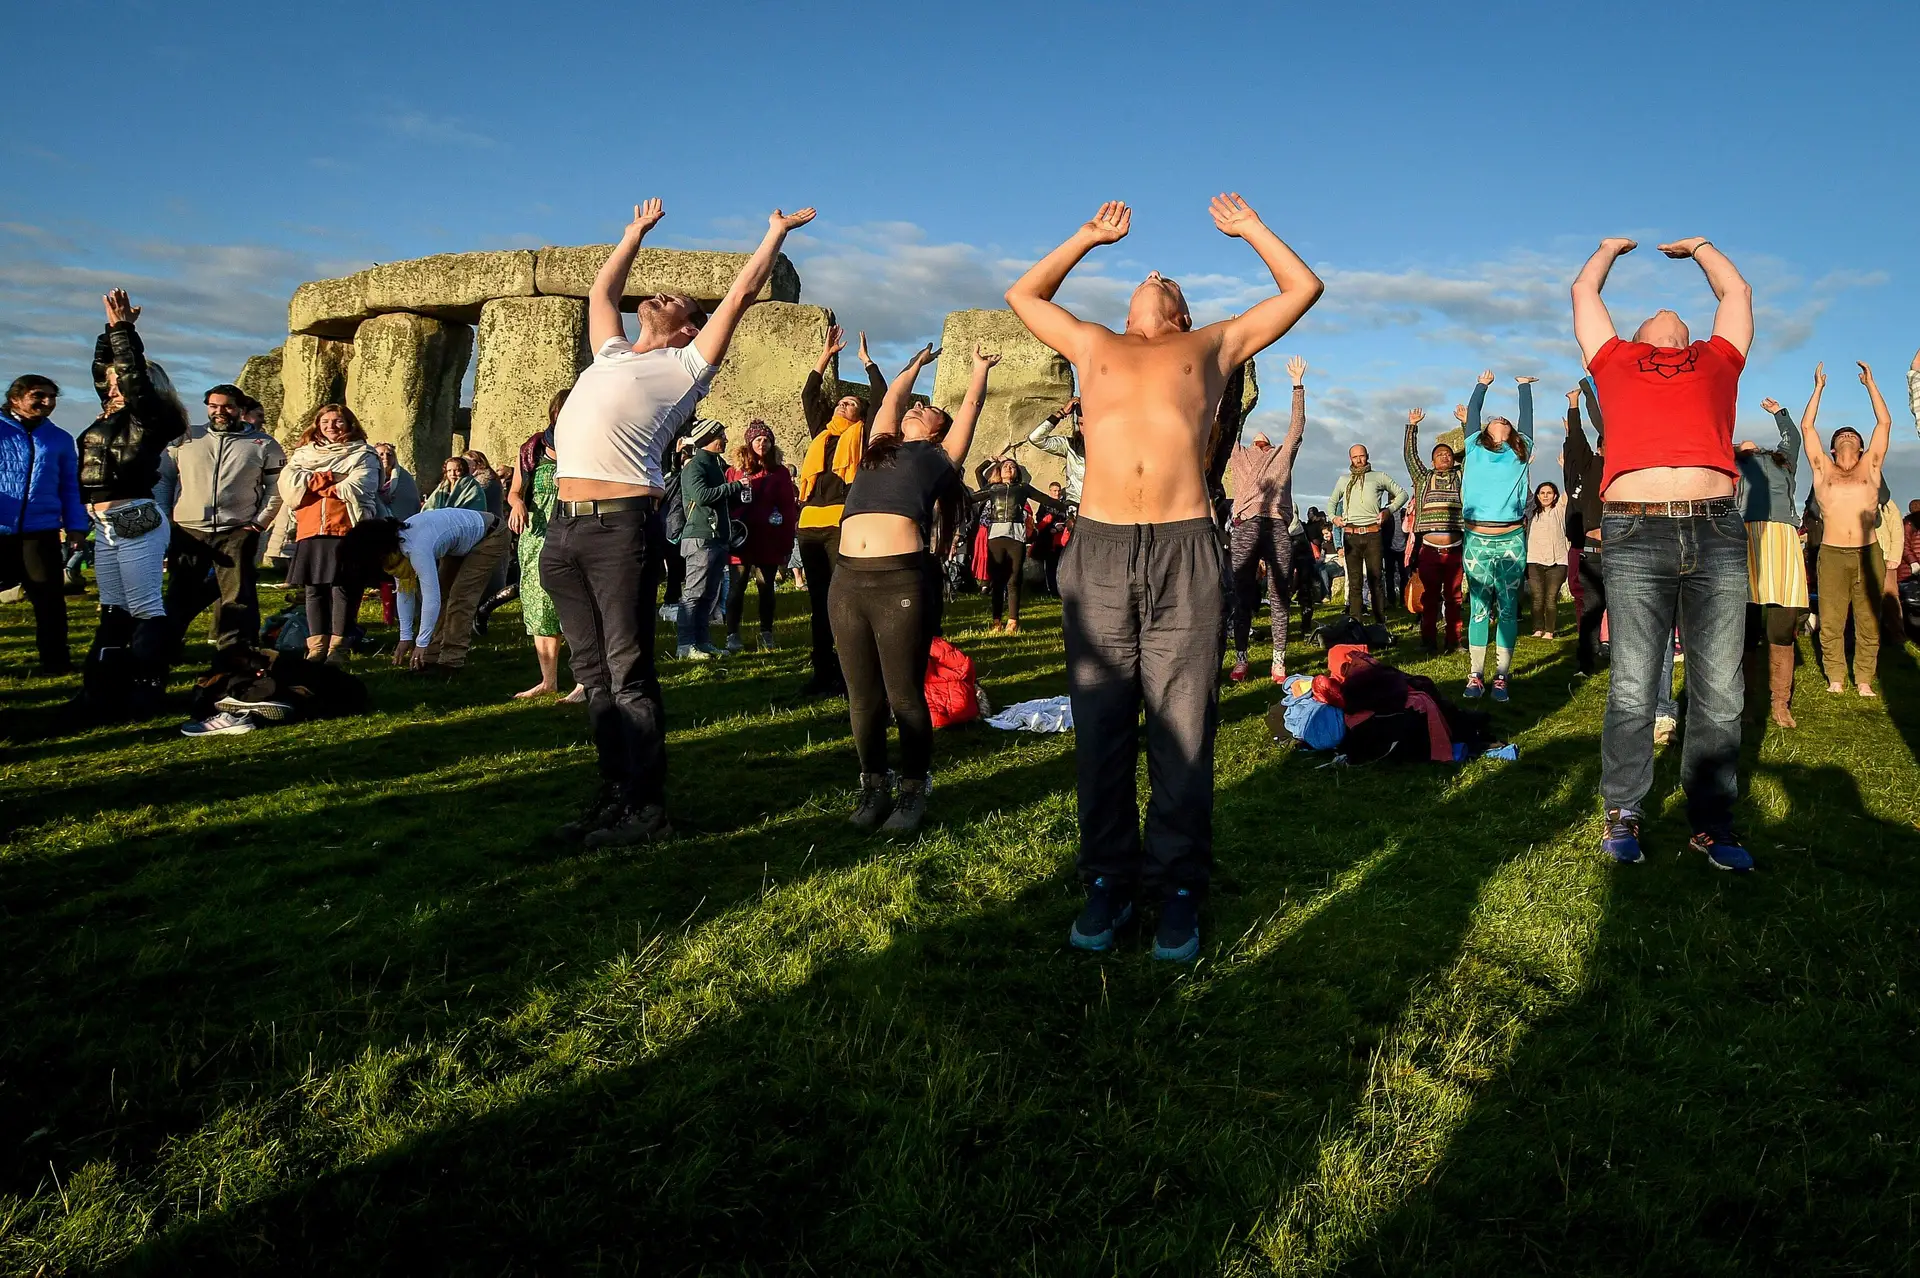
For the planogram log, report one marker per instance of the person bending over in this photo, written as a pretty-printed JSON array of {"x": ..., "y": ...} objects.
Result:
[
  {"x": 1851, "y": 569},
  {"x": 1142, "y": 581},
  {"x": 1493, "y": 499},
  {"x": 1262, "y": 528},
  {"x": 1675, "y": 543},
  {"x": 885, "y": 601},
  {"x": 602, "y": 560},
  {"x": 1436, "y": 531},
  {"x": 1003, "y": 500},
  {"x": 453, "y": 543},
  {"x": 1363, "y": 501},
  {"x": 1546, "y": 558}
]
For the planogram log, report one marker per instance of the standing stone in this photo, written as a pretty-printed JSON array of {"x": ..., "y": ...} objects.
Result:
[
  {"x": 396, "y": 385},
  {"x": 260, "y": 378},
  {"x": 773, "y": 350},
  {"x": 1030, "y": 381},
  {"x": 313, "y": 371},
  {"x": 531, "y": 348}
]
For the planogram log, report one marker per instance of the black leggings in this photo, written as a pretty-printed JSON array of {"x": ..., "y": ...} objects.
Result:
[
  {"x": 819, "y": 547},
  {"x": 883, "y": 614},
  {"x": 737, "y": 594},
  {"x": 1006, "y": 563},
  {"x": 1779, "y": 625},
  {"x": 331, "y": 610}
]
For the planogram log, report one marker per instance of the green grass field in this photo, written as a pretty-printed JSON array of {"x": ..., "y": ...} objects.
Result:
[{"x": 329, "y": 999}]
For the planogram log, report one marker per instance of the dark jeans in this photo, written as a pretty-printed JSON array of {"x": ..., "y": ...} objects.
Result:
[
  {"x": 883, "y": 619},
  {"x": 1141, "y": 604},
  {"x": 737, "y": 575},
  {"x": 819, "y": 547},
  {"x": 1440, "y": 571},
  {"x": 603, "y": 572},
  {"x": 36, "y": 561},
  {"x": 1692, "y": 571},
  {"x": 706, "y": 569},
  {"x": 1393, "y": 572},
  {"x": 1362, "y": 551},
  {"x": 1593, "y": 605},
  {"x": 1543, "y": 593},
  {"x": 1006, "y": 561},
  {"x": 228, "y": 557}
]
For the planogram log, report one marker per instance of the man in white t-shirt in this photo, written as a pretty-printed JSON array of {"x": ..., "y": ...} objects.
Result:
[{"x": 601, "y": 559}]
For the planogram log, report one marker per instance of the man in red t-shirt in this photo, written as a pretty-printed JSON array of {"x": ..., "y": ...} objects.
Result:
[{"x": 1675, "y": 545}]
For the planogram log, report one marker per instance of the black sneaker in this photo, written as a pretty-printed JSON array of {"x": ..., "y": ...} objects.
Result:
[
  {"x": 635, "y": 826},
  {"x": 1109, "y": 906},
  {"x": 1178, "y": 939},
  {"x": 606, "y": 808}
]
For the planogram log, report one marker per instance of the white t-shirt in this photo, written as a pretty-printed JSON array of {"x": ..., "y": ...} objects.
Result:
[
  {"x": 425, "y": 540},
  {"x": 624, "y": 411}
]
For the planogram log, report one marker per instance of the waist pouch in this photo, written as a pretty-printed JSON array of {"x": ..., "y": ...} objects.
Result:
[{"x": 132, "y": 521}]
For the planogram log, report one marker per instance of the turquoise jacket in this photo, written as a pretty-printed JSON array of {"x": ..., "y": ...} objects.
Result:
[{"x": 1494, "y": 482}]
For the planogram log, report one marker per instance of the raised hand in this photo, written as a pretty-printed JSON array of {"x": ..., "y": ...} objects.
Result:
[
  {"x": 1460, "y": 413},
  {"x": 646, "y": 216},
  {"x": 1683, "y": 248},
  {"x": 865, "y": 359},
  {"x": 926, "y": 355},
  {"x": 120, "y": 309},
  {"x": 1525, "y": 381},
  {"x": 1620, "y": 245},
  {"x": 837, "y": 340},
  {"x": 1297, "y": 369},
  {"x": 1866, "y": 373},
  {"x": 1820, "y": 376},
  {"x": 1110, "y": 225},
  {"x": 1573, "y": 398},
  {"x": 784, "y": 222},
  {"x": 1415, "y": 416},
  {"x": 1486, "y": 378},
  {"x": 1233, "y": 215},
  {"x": 1915, "y": 366},
  {"x": 1771, "y": 404},
  {"x": 981, "y": 359}
]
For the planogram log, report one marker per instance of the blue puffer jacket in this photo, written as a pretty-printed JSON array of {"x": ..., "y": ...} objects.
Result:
[{"x": 39, "y": 479}]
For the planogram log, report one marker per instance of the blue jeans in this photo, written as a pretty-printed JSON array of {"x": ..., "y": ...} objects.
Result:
[
  {"x": 1664, "y": 705},
  {"x": 706, "y": 572},
  {"x": 1694, "y": 571}
]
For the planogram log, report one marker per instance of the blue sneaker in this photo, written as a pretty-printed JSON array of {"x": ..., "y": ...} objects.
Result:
[
  {"x": 1622, "y": 839},
  {"x": 1108, "y": 907},
  {"x": 1723, "y": 851},
  {"x": 1475, "y": 687},
  {"x": 1499, "y": 687},
  {"x": 1178, "y": 939}
]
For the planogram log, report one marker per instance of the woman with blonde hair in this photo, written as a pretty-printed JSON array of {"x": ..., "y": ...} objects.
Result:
[
  {"x": 771, "y": 519},
  {"x": 331, "y": 483}
]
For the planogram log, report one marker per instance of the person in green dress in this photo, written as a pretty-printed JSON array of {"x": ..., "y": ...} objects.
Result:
[{"x": 530, "y": 505}]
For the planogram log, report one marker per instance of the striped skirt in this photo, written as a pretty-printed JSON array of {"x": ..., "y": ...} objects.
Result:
[{"x": 1776, "y": 567}]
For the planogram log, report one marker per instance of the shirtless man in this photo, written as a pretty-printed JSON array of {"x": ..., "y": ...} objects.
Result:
[
  {"x": 1851, "y": 566},
  {"x": 1676, "y": 545},
  {"x": 602, "y": 555},
  {"x": 1142, "y": 583}
]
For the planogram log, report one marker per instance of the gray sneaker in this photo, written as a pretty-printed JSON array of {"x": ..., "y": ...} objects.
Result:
[
  {"x": 224, "y": 724},
  {"x": 688, "y": 652},
  {"x": 734, "y": 645},
  {"x": 635, "y": 826},
  {"x": 909, "y": 807},
  {"x": 876, "y": 801},
  {"x": 766, "y": 641}
]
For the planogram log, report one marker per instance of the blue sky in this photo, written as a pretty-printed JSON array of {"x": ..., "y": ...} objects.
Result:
[{"x": 1445, "y": 171}]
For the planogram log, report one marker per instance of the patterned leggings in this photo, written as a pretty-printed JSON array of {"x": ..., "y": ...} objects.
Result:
[
  {"x": 1252, "y": 542},
  {"x": 1495, "y": 565}
]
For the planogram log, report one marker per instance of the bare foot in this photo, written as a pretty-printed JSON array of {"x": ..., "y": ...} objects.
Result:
[
  {"x": 1866, "y": 690},
  {"x": 1835, "y": 687},
  {"x": 1784, "y": 717},
  {"x": 537, "y": 690},
  {"x": 575, "y": 697}
]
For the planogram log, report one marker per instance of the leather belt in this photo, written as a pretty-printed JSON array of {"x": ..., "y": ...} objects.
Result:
[
  {"x": 606, "y": 506},
  {"x": 1707, "y": 506}
]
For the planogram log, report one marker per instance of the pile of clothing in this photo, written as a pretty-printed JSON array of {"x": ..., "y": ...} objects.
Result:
[
  {"x": 1368, "y": 711},
  {"x": 247, "y": 689}
]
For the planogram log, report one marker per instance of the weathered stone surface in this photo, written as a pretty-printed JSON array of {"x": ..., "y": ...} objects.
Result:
[
  {"x": 531, "y": 348},
  {"x": 329, "y": 308},
  {"x": 765, "y": 370},
  {"x": 449, "y": 286},
  {"x": 313, "y": 371},
  {"x": 1030, "y": 381},
  {"x": 1456, "y": 439},
  {"x": 397, "y": 384},
  {"x": 569, "y": 272},
  {"x": 260, "y": 378}
]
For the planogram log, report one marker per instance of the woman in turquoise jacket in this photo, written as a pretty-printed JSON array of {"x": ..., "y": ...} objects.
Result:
[{"x": 1493, "y": 500}]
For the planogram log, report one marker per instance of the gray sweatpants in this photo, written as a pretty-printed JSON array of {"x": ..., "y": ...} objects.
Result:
[{"x": 1141, "y": 607}]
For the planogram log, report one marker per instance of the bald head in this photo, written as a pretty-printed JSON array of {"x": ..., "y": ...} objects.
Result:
[{"x": 1666, "y": 330}]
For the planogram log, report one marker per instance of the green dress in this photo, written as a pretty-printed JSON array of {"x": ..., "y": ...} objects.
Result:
[{"x": 536, "y": 605}]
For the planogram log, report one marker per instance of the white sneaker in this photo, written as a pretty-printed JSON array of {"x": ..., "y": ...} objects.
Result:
[
  {"x": 274, "y": 711},
  {"x": 687, "y": 652},
  {"x": 224, "y": 724},
  {"x": 1663, "y": 729}
]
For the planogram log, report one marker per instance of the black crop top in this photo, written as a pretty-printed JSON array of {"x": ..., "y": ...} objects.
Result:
[{"x": 910, "y": 485}]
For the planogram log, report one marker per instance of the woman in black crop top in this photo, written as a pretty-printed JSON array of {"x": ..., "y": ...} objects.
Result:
[{"x": 885, "y": 594}]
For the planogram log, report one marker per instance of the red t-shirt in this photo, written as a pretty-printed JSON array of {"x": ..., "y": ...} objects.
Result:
[{"x": 1667, "y": 407}]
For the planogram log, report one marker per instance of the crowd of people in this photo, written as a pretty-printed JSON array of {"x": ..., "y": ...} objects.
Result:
[{"x": 1673, "y": 541}]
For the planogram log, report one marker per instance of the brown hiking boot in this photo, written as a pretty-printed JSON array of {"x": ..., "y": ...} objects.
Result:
[{"x": 1780, "y": 682}]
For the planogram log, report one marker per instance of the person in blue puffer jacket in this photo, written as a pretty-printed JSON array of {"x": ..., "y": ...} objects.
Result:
[{"x": 39, "y": 497}]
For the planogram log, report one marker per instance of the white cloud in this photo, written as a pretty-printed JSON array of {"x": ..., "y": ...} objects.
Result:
[{"x": 419, "y": 126}]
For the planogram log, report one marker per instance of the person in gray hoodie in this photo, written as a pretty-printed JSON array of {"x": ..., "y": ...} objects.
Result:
[{"x": 221, "y": 489}]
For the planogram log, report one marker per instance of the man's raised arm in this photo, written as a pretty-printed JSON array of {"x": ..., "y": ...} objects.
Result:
[
  {"x": 1882, "y": 419},
  {"x": 1733, "y": 319},
  {"x": 1031, "y": 296},
  {"x": 603, "y": 301},
  {"x": 1592, "y": 325},
  {"x": 717, "y": 334},
  {"x": 1252, "y": 331},
  {"x": 1809, "y": 431}
]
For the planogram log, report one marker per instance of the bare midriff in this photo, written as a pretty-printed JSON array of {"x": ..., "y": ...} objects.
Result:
[
  {"x": 601, "y": 490},
  {"x": 1669, "y": 483},
  {"x": 1491, "y": 530},
  {"x": 1147, "y": 411},
  {"x": 876, "y": 535}
]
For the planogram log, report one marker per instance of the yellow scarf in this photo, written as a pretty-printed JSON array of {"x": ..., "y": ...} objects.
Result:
[
  {"x": 848, "y": 440},
  {"x": 400, "y": 568}
]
